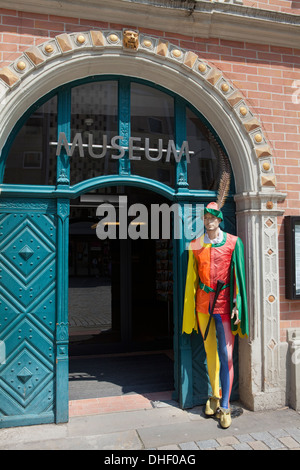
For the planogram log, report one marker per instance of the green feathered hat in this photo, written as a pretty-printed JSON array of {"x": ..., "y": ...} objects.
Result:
[{"x": 213, "y": 208}]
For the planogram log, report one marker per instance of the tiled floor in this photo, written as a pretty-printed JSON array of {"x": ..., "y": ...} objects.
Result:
[{"x": 114, "y": 404}]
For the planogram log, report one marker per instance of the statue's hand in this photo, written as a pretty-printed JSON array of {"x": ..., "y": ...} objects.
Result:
[{"x": 235, "y": 313}]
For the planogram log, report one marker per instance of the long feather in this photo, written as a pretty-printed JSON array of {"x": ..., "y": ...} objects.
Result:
[
  {"x": 223, "y": 190},
  {"x": 225, "y": 174}
]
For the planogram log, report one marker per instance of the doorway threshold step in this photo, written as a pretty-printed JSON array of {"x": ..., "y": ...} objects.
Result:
[{"x": 116, "y": 404}]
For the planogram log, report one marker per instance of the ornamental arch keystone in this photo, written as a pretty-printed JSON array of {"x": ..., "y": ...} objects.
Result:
[{"x": 74, "y": 56}]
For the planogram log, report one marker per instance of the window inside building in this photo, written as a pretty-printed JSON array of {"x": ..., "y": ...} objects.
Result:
[
  {"x": 31, "y": 159},
  {"x": 152, "y": 123},
  {"x": 94, "y": 115},
  {"x": 203, "y": 167}
]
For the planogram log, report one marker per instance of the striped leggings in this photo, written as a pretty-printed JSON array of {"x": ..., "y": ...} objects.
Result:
[{"x": 219, "y": 350}]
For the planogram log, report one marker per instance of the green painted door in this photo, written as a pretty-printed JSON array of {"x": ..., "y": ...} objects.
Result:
[{"x": 27, "y": 311}]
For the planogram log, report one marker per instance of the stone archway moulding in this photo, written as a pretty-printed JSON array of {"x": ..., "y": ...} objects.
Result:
[{"x": 69, "y": 57}]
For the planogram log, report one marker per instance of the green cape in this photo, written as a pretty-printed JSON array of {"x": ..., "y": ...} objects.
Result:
[{"x": 238, "y": 271}]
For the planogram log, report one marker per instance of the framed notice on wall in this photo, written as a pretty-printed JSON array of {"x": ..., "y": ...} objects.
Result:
[{"x": 292, "y": 257}]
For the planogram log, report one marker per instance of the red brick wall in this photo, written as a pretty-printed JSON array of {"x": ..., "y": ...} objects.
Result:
[
  {"x": 285, "y": 6},
  {"x": 268, "y": 76}
]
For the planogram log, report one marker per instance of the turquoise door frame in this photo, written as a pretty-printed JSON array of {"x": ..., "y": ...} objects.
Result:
[{"x": 36, "y": 200}]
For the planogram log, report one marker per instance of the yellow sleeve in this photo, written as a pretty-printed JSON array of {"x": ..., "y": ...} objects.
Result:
[{"x": 189, "y": 322}]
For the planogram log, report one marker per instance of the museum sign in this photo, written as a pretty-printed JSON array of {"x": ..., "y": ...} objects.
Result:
[{"x": 135, "y": 148}]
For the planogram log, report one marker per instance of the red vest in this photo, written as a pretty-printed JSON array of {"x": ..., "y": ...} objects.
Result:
[{"x": 214, "y": 263}]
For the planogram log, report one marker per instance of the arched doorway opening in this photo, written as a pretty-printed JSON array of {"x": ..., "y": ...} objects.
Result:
[
  {"x": 120, "y": 301},
  {"x": 153, "y": 125}
]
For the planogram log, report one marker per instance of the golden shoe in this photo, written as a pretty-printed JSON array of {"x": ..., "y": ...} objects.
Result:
[
  {"x": 211, "y": 406},
  {"x": 225, "y": 417}
]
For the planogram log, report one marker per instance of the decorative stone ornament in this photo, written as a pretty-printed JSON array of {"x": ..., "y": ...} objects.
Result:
[
  {"x": 235, "y": 98},
  {"x": 225, "y": 87},
  {"x": 98, "y": 38},
  {"x": 266, "y": 166},
  {"x": 147, "y": 43},
  {"x": 8, "y": 77},
  {"x": 21, "y": 65},
  {"x": 80, "y": 39},
  {"x": 64, "y": 43},
  {"x": 251, "y": 125},
  {"x": 130, "y": 39},
  {"x": 35, "y": 56},
  {"x": 176, "y": 53},
  {"x": 214, "y": 76},
  {"x": 190, "y": 59},
  {"x": 202, "y": 68},
  {"x": 49, "y": 49},
  {"x": 113, "y": 38},
  {"x": 263, "y": 151},
  {"x": 162, "y": 48},
  {"x": 268, "y": 181}
]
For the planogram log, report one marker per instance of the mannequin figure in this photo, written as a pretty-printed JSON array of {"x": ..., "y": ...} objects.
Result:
[{"x": 214, "y": 256}]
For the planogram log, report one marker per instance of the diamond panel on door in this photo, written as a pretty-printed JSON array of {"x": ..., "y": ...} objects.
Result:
[{"x": 27, "y": 311}]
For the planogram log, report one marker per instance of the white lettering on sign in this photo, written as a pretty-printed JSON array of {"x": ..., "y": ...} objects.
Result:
[{"x": 135, "y": 148}]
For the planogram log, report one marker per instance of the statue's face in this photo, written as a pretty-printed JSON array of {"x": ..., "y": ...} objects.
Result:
[
  {"x": 130, "y": 39},
  {"x": 211, "y": 222}
]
